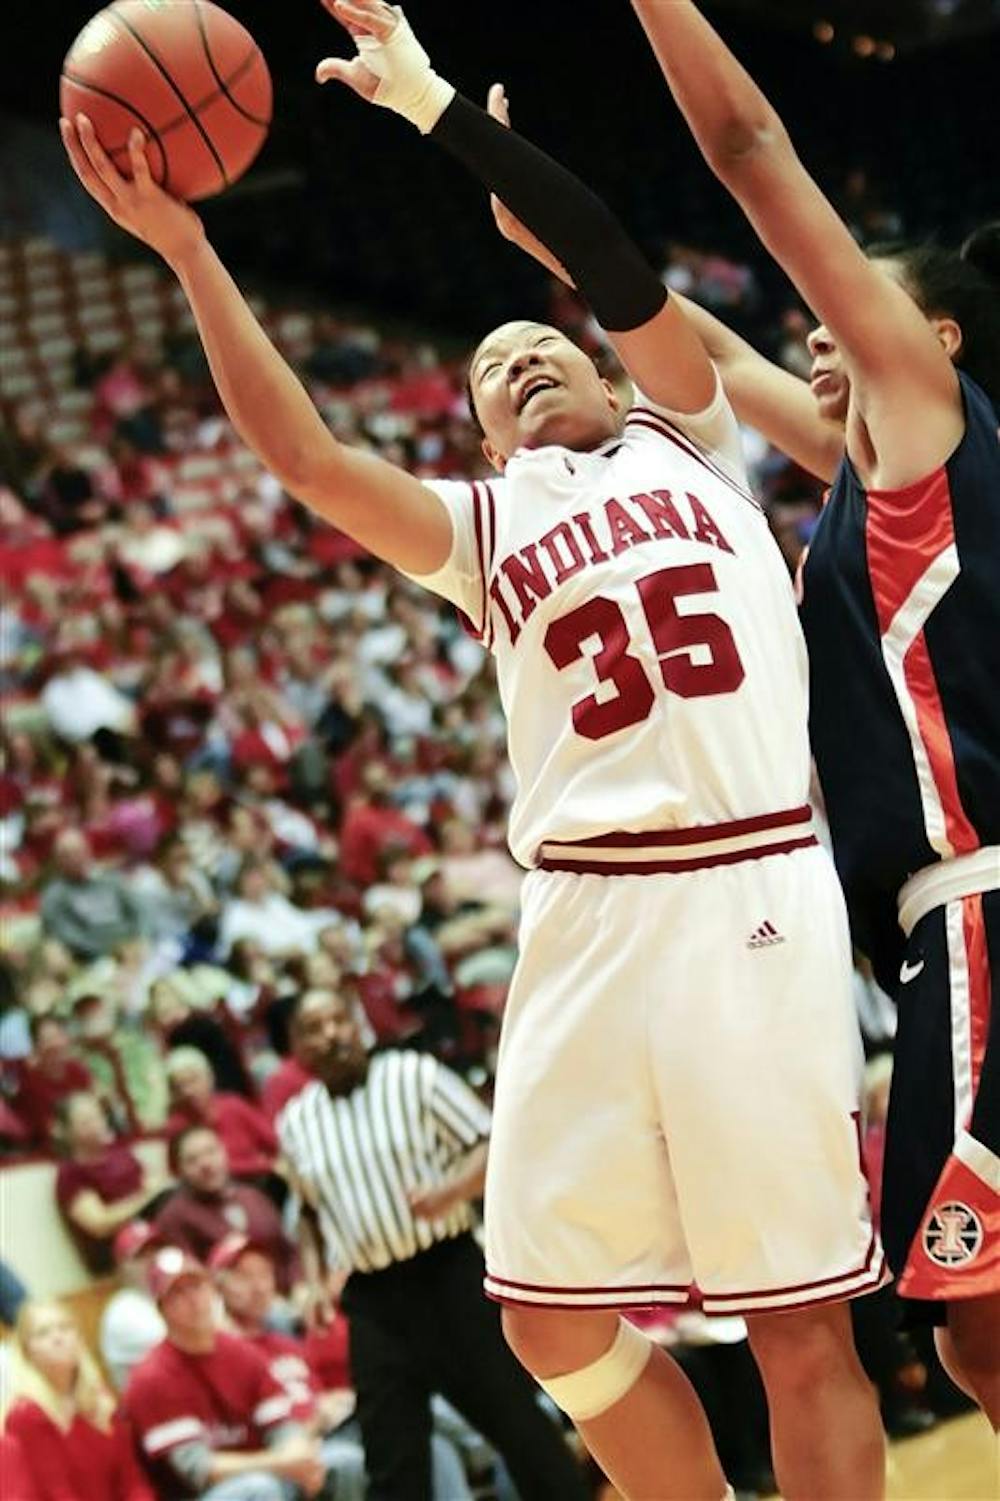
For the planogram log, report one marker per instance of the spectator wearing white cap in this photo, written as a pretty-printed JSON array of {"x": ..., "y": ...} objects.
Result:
[{"x": 131, "y": 1323}]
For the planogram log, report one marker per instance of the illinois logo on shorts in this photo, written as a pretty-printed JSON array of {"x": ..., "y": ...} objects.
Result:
[{"x": 953, "y": 1235}]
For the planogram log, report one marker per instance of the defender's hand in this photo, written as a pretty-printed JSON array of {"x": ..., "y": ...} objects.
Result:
[
  {"x": 145, "y": 210},
  {"x": 391, "y": 68}
]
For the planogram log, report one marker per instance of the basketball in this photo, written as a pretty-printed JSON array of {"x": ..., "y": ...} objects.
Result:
[{"x": 188, "y": 74}]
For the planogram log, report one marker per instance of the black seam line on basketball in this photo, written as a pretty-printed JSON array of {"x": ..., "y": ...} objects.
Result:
[
  {"x": 208, "y": 99},
  {"x": 225, "y": 82},
  {"x": 138, "y": 38},
  {"x": 96, "y": 88}
]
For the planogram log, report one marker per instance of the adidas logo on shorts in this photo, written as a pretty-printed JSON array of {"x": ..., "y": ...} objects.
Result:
[{"x": 764, "y": 937}]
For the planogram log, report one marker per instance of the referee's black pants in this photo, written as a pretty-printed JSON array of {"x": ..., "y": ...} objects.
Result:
[{"x": 424, "y": 1326}]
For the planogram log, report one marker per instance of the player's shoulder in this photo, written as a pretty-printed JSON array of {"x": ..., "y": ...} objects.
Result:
[{"x": 711, "y": 436}]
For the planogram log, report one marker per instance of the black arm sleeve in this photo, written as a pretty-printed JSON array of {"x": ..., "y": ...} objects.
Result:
[{"x": 570, "y": 220}]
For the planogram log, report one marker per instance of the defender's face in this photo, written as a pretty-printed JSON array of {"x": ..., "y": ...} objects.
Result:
[
  {"x": 532, "y": 386},
  {"x": 828, "y": 380}
]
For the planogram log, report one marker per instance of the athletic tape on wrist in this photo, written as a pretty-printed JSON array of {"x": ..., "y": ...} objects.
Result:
[
  {"x": 408, "y": 85},
  {"x": 587, "y": 1393}
]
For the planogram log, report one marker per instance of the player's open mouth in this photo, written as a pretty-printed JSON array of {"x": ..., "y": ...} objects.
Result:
[{"x": 533, "y": 387}]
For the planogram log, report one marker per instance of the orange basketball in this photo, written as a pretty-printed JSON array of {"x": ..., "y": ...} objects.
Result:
[{"x": 188, "y": 74}]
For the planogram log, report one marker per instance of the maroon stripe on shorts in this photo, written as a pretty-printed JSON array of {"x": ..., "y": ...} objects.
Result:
[
  {"x": 624, "y": 1287},
  {"x": 697, "y": 834},
  {"x": 662, "y": 1300},
  {"x": 673, "y": 867}
]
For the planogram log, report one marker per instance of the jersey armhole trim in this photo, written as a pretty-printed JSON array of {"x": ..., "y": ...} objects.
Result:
[
  {"x": 657, "y": 423},
  {"x": 484, "y": 522}
]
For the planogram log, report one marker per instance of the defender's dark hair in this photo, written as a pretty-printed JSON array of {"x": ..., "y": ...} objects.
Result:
[{"x": 964, "y": 285}]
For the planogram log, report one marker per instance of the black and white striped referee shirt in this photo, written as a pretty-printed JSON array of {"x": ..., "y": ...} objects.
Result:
[{"x": 358, "y": 1156}]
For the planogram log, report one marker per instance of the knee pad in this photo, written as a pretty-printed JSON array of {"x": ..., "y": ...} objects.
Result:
[{"x": 587, "y": 1393}]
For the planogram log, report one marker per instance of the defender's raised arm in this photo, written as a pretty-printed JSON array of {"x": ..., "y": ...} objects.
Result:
[{"x": 894, "y": 354}]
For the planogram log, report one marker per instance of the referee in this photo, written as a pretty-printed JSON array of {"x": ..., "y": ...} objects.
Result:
[{"x": 386, "y": 1154}]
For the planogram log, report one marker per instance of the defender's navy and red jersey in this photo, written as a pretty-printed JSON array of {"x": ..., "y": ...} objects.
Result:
[{"x": 901, "y": 613}]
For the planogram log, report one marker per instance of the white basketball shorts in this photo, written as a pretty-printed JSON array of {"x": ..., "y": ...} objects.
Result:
[{"x": 676, "y": 1114}]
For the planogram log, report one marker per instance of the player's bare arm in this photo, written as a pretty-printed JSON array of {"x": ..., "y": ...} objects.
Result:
[
  {"x": 894, "y": 356},
  {"x": 381, "y": 507},
  {"x": 653, "y": 339},
  {"x": 775, "y": 402}
]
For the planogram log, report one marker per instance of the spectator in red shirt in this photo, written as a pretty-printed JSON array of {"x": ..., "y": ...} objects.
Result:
[
  {"x": 315, "y": 1372},
  {"x": 245, "y": 1277},
  {"x": 294, "y": 1072},
  {"x": 209, "y": 1205},
  {"x": 73, "y": 1444},
  {"x": 210, "y": 1418},
  {"x": 103, "y": 1185},
  {"x": 17, "y": 1478},
  {"x": 371, "y": 823},
  {"x": 47, "y": 1078},
  {"x": 245, "y": 1131}
]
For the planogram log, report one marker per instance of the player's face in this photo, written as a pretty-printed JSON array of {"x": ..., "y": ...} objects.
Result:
[
  {"x": 532, "y": 386},
  {"x": 828, "y": 380}
]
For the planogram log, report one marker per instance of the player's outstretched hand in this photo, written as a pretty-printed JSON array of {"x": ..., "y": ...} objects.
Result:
[
  {"x": 360, "y": 21},
  {"x": 145, "y": 210},
  {"x": 509, "y": 225},
  {"x": 391, "y": 68}
]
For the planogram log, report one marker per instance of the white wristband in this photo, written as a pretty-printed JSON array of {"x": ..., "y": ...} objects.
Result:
[{"x": 408, "y": 85}]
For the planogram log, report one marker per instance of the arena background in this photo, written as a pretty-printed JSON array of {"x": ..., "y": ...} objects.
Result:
[{"x": 347, "y": 210}]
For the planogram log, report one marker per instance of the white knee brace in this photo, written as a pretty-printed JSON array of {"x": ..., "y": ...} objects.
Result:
[{"x": 586, "y": 1394}]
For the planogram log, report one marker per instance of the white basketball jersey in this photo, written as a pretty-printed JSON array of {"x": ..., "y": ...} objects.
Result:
[{"x": 648, "y": 650}]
